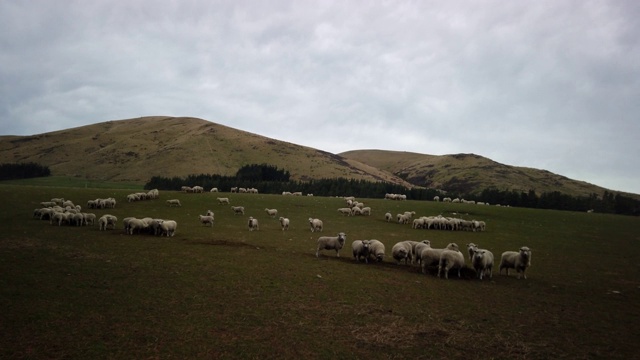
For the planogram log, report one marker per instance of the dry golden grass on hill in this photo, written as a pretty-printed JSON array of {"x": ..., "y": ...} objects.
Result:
[{"x": 134, "y": 150}]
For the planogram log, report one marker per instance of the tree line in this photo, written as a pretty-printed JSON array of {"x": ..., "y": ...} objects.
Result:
[{"x": 13, "y": 171}]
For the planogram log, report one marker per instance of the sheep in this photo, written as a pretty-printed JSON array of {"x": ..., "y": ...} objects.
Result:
[
  {"x": 173, "y": 202},
  {"x": 206, "y": 220},
  {"x": 518, "y": 260},
  {"x": 482, "y": 262},
  {"x": 253, "y": 224},
  {"x": 271, "y": 212},
  {"x": 388, "y": 216},
  {"x": 89, "y": 218},
  {"x": 167, "y": 227},
  {"x": 356, "y": 211},
  {"x": 106, "y": 220},
  {"x": 238, "y": 210},
  {"x": 284, "y": 222},
  {"x": 331, "y": 243},
  {"x": 417, "y": 250},
  {"x": 223, "y": 201},
  {"x": 450, "y": 259},
  {"x": 471, "y": 249},
  {"x": 345, "y": 211},
  {"x": 209, "y": 213},
  {"x": 77, "y": 219},
  {"x": 125, "y": 223},
  {"x": 214, "y": 189},
  {"x": 154, "y": 226},
  {"x": 430, "y": 256},
  {"x": 402, "y": 251},
  {"x": 315, "y": 224},
  {"x": 376, "y": 249},
  {"x": 137, "y": 225},
  {"x": 360, "y": 248}
]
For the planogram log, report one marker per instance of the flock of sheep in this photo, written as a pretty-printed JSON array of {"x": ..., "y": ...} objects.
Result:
[{"x": 60, "y": 211}]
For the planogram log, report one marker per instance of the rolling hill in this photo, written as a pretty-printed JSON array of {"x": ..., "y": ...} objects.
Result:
[
  {"x": 134, "y": 150},
  {"x": 469, "y": 173}
]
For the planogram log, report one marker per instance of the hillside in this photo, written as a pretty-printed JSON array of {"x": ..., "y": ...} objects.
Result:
[
  {"x": 468, "y": 173},
  {"x": 134, "y": 150}
]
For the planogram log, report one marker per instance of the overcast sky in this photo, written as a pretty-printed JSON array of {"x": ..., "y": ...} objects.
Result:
[{"x": 548, "y": 84}]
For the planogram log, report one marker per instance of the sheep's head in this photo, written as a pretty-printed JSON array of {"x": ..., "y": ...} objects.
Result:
[
  {"x": 525, "y": 252},
  {"x": 342, "y": 237},
  {"x": 452, "y": 246},
  {"x": 426, "y": 242}
]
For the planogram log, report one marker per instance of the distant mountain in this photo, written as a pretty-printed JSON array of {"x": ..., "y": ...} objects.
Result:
[
  {"x": 469, "y": 173},
  {"x": 134, "y": 150}
]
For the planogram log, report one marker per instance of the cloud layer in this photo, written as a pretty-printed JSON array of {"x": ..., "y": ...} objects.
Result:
[{"x": 544, "y": 84}]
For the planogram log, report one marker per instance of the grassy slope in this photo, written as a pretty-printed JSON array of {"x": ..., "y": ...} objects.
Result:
[
  {"x": 227, "y": 292},
  {"x": 469, "y": 173},
  {"x": 134, "y": 150}
]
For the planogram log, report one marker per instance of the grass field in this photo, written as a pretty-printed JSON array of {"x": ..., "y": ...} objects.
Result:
[{"x": 225, "y": 292}]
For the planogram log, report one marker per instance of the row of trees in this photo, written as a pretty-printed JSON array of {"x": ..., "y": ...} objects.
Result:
[
  {"x": 271, "y": 180},
  {"x": 23, "y": 171}
]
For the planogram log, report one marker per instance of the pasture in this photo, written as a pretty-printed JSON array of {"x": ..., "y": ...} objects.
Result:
[{"x": 225, "y": 292}]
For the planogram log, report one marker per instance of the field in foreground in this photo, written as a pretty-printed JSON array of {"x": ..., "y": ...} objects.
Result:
[{"x": 225, "y": 292}]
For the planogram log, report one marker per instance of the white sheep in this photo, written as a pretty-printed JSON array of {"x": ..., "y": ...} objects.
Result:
[
  {"x": 482, "y": 262},
  {"x": 206, "y": 220},
  {"x": 450, "y": 259},
  {"x": 214, "y": 189},
  {"x": 209, "y": 213},
  {"x": 402, "y": 251},
  {"x": 417, "y": 250},
  {"x": 89, "y": 218},
  {"x": 331, "y": 243},
  {"x": 360, "y": 248},
  {"x": 168, "y": 227},
  {"x": 431, "y": 257},
  {"x": 284, "y": 222},
  {"x": 271, "y": 212},
  {"x": 173, "y": 202},
  {"x": 388, "y": 216},
  {"x": 253, "y": 224},
  {"x": 471, "y": 249},
  {"x": 223, "y": 201},
  {"x": 519, "y": 260},
  {"x": 345, "y": 211},
  {"x": 238, "y": 210},
  {"x": 315, "y": 224},
  {"x": 376, "y": 249},
  {"x": 356, "y": 211},
  {"x": 106, "y": 220},
  {"x": 137, "y": 225}
]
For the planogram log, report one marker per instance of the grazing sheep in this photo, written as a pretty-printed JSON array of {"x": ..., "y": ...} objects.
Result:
[
  {"x": 125, "y": 223},
  {"x": 174, "y": 202},
  {"x": 106, "y": 220},
  {"x": 206, "y": 220},
  {"x": 519, "y": 260},
  {"x": 223, "y": 201},
  {"x": 331, "y": 243},
  {"x": 284, "y": 222},
  {"x": 315, "y": 224},
  {"x": 89, "y": 218},
  {"x": 366, "y": 211},
  {"x": 402, "y": 251},
  {"x": 209, "y": 213},
  {"x": 356, "y": 211},
  {"x": 388, "y": 216},
  {"x": 345, "y": 211},
  {"x": 214, "y": 189},
  {"x": 482, "y": 262},
  {"x": 376, "y": 249},
  {"x": 77, "y": 219},
  {"x": 417, "y": 250},
  {"x": 450, "y": 259},
  {"x": 238, "y": 210},
  {"x": 253, "y": 224},
  {"x": 360, "y": 248},
  {"x": 271, "y": 212},
  {"x": 168, "y": 227},
  {"x": 431, "y": 257},
  {"x": 137, "y": 225}
]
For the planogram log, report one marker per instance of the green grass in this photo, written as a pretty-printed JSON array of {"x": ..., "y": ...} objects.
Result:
[{"x": 225, "y": 292}]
